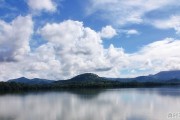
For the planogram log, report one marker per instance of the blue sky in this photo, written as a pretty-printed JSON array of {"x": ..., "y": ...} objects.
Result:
[
  {"x": 133, "y": 30},
  {"x": 76, "y": 10}
]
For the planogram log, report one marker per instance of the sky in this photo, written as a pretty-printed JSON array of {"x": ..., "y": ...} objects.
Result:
[{"x": 58, "y": 39}]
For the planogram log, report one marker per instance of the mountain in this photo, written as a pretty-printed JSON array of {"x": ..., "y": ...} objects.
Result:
[
  {"x": 35, "y": 81},
  {"x": 164, "y": 76},
  {"x": 86, "y": 77},
  {"x": 167, "y": 75},
  {"x": 90, "y": 79},
  {"x": 145, "y": 79}
]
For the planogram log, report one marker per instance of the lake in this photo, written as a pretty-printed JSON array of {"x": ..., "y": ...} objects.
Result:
[{"x": 93, "y": 104}]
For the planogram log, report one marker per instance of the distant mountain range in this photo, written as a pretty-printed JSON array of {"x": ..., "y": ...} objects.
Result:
[
  {"x": 167, "y": 75},
  {"x": 35, "y": 81},
  {"x": 90, "y": 80},
  {"x": 164, "y": 76}
]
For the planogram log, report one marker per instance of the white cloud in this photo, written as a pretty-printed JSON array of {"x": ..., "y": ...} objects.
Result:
[
  {"x": 132, "y": 32},
  {"x": 78, "y": 48},
  {"x": 82, "y": 57},
  {"x": 171, "y": 23},
  {"x": 157, "y": 56},
  {"x": 122, "y": 12},
  {"x": 73, "y": 49},
  {"x": 108, "y": 32},
  {"x": 128, "y": 32},
  {"x": 38, "y": 5},
  {"x": 14, "y": 38}
]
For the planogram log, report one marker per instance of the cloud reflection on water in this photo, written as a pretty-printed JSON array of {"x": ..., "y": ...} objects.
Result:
[{"x": 117, "y": 104}]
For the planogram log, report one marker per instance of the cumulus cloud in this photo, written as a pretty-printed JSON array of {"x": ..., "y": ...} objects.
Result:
[
  {"x": 108, "y": 32},
  {"x": 123, "y": 12},
  {"x": 38, "y": 5},
  {"x": 71, "y": 49},
  {"x": 14, "y": 38},
  {"x": 77, "y": 48},
  {"x": 171, "y": 23}
]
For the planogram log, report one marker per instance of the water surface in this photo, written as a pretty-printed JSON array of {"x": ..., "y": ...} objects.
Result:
[{"x": 109, "y": 104}]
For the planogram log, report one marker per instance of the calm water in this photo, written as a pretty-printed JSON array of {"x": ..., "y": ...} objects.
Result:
[{"x": 111, "y": 104}]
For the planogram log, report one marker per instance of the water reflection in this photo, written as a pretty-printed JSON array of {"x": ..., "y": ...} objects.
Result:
[{"x": 111, "y": 104}]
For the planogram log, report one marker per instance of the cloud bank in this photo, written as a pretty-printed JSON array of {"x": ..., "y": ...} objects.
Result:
[{"x": 72, "y": 48}]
